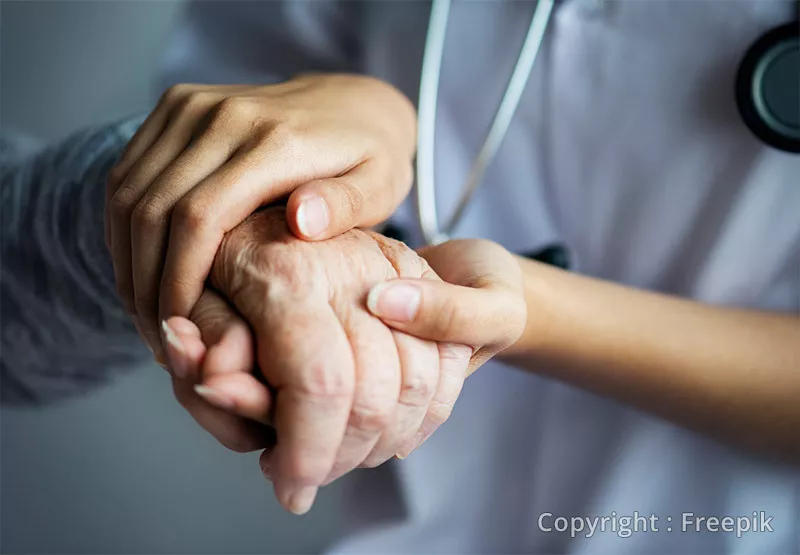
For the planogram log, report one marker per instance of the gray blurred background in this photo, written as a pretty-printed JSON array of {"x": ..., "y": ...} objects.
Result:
[{"x": 123, "y": 470}]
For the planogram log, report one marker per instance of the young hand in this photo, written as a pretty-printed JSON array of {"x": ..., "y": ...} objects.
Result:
[
  {"x": 480, "y": 302},
  {"x": 338, "y": 146}
]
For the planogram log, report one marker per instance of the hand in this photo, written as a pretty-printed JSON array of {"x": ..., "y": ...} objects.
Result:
[
  {"x": 480, "y": 302},
  {"x": 348, "y": 391},
  {"x": 217, "y": 339},
  {"x": 340, "y": 147}
]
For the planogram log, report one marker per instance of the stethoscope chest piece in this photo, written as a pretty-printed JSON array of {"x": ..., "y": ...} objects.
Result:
[{"x": 768, "y": 88}]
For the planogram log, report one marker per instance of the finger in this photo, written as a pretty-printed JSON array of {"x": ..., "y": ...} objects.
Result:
[
  {"x": 312, "y": 407},
  {"x": 163, "y": 151},
  {"x": 215, "y": 206},
  {"x": 453, "y": 366},
  {"x": 185, "y": 348},
  {"x": 324, "y": 208},
  {"x": 131, "y": 219},
  {"x": 419, "y": 361},
  {"x": 265, "y": 462},
  {"x": 227, "y": 373},
  {"x": 233, "y": 432},
  {"x": 213, "y": 323},
  {"x": 148, "y": 132},
  {"x": 444, "y": 312},
  {"x": 261, "y": 175},
  {"x": 231, "y": 348},
  {"x": 150, "y": 220},
  {"x": 306, "y": 356},
  {"x": 150, "y": 129},
  {"x": 377, "y": 389},
  {"x": 240, "y": 394}
]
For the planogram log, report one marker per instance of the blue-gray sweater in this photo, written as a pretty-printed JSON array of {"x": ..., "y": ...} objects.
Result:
[{"x": 63, "y": 329}]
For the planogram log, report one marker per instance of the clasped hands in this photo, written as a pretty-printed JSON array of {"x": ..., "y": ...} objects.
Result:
[{"x": 333, "y": 351}]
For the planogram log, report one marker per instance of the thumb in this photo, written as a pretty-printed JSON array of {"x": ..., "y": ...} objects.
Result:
[
  {"x": 443, "y": 312},
  {"x": 228, "y": 382},
  {"x": 325, "y": 208}
]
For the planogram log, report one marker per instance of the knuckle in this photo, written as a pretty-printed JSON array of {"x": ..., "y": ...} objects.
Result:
[
  {"x": 232, "y": 109},
  {"x": 148, "y": 213},
  {"x": 275, "y": 273},
  {"x": 417, "y": 388},
  {"x": 404, "y": 260},
  {"x": 192, "y": 214},
  {"x": 191, "y": 103},
  {"x": 175, "y": 93},
  {"x": 121, "y": 204},
  {"x": 285, "y": 135},
  {"x": 322, "y": 381},
  {"x": 454, "y": 352},
  {"x": 370, "y": 417}
]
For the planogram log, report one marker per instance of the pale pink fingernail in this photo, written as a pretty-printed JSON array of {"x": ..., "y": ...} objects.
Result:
[
  {"x": 313, "y": 217},
  {"x": 214, "y": 397},
  {"x": 175, "y": 351},
  {"x": 394, "y": 301},
  {"x": 409, "y": 447},
  {"x": 302, "y": 499}
]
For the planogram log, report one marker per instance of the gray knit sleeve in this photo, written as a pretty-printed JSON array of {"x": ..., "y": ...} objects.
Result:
[{"x": 63, "y": 329}]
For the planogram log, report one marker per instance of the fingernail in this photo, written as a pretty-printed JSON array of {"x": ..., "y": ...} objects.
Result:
[
  {"x": 313, "y": 217},
  {"x": 214, "y": 397},
  {"x": 394, "y": 301},
  {"x": 301, "y": 500},
  {"x": 174, "y": 344},
  {"x": 409, "y": 447},
  {"x": 266, "y": 468}
]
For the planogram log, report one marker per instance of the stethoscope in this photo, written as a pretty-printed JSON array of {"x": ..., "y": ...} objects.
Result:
[{"x": 767, "y": 95}]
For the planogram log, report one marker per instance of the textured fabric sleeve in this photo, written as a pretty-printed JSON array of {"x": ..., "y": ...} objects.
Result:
[{"x": 63, "y": 330}]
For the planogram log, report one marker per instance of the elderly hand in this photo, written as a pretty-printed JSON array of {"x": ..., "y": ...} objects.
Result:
[
  {"x": 338, "y": 146},
  {"x": 480, "y": 302},
  {"x": 347, "y": 390}
]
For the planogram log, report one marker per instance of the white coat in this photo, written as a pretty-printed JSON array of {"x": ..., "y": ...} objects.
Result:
[{"x": 628, "y": 148}]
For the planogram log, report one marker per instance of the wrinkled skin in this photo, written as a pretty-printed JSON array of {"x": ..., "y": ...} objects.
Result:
[
  {"x": 344, "y": 390},
  {"x": 208, "y": 156}
]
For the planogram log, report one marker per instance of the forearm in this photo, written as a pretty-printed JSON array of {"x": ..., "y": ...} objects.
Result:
[
  {"x": 731, "y": 374},
  {"x": 63, "y": 330}
]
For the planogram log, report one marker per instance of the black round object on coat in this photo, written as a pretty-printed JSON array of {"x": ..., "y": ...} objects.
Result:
[{"x": 768, "y": 88}]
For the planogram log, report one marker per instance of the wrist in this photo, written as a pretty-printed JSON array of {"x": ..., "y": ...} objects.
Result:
[{"x": 537, "y": 338}]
